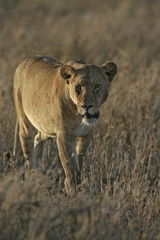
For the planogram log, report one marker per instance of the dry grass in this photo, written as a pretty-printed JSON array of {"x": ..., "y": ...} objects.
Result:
[{"x": 119, "y": 196}]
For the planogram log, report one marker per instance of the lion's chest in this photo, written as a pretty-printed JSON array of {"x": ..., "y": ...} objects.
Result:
[{"x": 84, "y": 129}]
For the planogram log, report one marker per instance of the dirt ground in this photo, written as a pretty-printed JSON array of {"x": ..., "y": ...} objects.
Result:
[{"x": 119, "y": 195}]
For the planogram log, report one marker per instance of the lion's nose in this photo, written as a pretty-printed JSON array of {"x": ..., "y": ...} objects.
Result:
[{"x": 86, "y": 107}]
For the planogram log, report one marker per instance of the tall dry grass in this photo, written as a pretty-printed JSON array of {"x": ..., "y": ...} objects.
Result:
[{"x": 119, "y": 196}]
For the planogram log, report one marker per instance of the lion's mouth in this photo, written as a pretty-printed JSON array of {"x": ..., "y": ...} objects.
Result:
[{"x": 89, "y": 116}]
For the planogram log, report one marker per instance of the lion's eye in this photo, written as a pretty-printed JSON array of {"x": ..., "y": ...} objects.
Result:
[
  {"x": 96, "y": 87},
  {"x": 78, "y": 88}
]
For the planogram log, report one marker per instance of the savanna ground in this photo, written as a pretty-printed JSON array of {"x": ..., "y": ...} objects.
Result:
[{"x": 119, "y": 196}]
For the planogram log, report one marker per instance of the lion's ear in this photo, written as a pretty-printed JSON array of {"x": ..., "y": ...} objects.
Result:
[
  {"x": 109, "y": 69},
  {"x": 67, "y": 72}
]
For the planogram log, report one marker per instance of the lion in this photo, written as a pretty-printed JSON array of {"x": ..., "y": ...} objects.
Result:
[{"x": 63, "y": 101}]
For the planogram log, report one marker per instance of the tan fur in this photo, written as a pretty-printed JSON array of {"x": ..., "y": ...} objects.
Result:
[{"x": 63, "y": 101}]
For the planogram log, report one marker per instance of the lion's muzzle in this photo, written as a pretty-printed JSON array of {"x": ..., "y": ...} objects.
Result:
[{"x": 90, "y": 116}]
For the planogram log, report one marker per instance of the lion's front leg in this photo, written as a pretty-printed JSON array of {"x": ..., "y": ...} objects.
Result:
[
  {"x": 69, "y": 160},
  {"x": 82, "y": 145}
]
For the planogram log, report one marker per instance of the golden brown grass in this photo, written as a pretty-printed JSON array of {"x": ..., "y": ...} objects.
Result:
[{"x": 119, "y": 196}]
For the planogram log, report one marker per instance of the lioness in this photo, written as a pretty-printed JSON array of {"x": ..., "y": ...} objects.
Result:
[{"x": 63, "y": 101}]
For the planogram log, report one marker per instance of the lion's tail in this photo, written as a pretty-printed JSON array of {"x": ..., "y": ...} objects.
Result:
[{"x": 16, "y": 138}]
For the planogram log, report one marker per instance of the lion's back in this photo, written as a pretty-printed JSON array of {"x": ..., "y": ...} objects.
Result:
[{"x": 35, "y": 72}]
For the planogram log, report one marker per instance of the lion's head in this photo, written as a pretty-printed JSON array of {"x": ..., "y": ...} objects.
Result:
[{"x": 88, "y": 86}]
